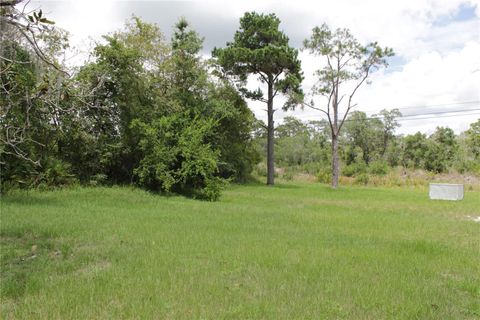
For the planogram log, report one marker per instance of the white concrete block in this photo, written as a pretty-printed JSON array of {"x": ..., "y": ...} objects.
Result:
[{"x": 446, "y": 191}]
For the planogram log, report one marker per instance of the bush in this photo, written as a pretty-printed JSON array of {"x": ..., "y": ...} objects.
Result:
[
  {"x": 98, "y": 179},
  {"x": 288, "y": 174},
  {"x": 354, "y": 169},
  {"x": 324, "y": 176},
  {"x": 362, "y": 179},
  {"x": 176, "y": 158},
  {"x": 260, "y": 169},
  {"x": 378, "y": 168},
  {"x": 212, "y": 189}
]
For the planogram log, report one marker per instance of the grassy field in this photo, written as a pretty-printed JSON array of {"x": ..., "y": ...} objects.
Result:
[{"x": 294, "y": 251}]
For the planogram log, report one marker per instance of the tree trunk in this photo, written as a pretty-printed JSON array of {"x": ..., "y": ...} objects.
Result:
[
  {"x": 270, "y": 137},
  {"x": 335, "y": 162},
  {"x": 335, "y": 134}
]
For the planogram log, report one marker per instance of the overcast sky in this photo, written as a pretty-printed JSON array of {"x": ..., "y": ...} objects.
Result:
[{"x": 436, "y": 68}]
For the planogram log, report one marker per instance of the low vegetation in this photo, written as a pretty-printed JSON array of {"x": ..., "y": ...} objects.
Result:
[
  {"x": 370, "y": 152},
  {"x": 296, "y": 250}
]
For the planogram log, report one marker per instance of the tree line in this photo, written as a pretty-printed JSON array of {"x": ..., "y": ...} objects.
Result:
[
  {"x": 369, "y": 145},
  {"x": 151, "y": 112}
]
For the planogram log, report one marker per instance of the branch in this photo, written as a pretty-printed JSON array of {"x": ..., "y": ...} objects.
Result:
[
  {"x": 315, "y": 108},
  {"x": 275, "y": 93},
  {"x": 345, "y": 116}
]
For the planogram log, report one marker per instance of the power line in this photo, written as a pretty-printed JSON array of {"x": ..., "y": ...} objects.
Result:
[
  {"x": 411, "y": 115},
  {"x": 453, "y": 104},
  {"x": 432, "y": 105},
  {"x": 444, "y": 116},
  {"x": 438, "y": 112}
]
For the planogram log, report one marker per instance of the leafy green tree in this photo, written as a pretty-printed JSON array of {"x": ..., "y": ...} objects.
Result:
[
  {"x": 301, "y": 146},
  {"x": 441, "y": 150},
  {"x": 292, "y": 138},
  {"x": 206, "y": 140},
  {"x": 473, "y": 139},
  {"x": 390, "y": 123},
  {"x": 364, "y": 133},
  {"x": 414, "y": 148},
  {"x": 35, "y": 100},
  {"x": 232, "y": 133},
  {"x": 348, "y": 62},
  {"x": 290, "y": 127},
  {"x": 260, "y": 48},
  {"x": 200, "y": 97},
  {"x": 125, "y": 79}
]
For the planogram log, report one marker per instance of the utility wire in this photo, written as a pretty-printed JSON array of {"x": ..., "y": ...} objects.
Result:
[
  {"x": 419, "y": 116},
  {"x": 452, "y": 104},
  {"x": 437, "y": 112},
  {"x": 444, "y": 116},
  {"x": 431, "y": 105}
]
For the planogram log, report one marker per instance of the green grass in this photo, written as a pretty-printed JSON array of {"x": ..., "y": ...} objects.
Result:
[{"x": 294, "y": 251}]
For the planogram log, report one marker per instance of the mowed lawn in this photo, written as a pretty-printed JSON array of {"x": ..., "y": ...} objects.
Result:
[{"x": 293, "y": 251}]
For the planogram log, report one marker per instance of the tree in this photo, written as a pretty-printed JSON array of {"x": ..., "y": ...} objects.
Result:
[
  {"x": 414, "y": 147},
  {"x": 300, "y": 144},
  {"x": 28, "y": 45},
  {"x": 260, "y": 48},
  {"x": 349, "y": 64},
  {"x": 473, "y": 138},
  {"x": 364, "y": 133},
  {"x": 202, "y": 138},
  {"x": 441, "y": 150},
  {"x": 24, "y": 27},
  {"x": 290, "y": 127},
  {"x": 38, "y": 99},
  {"x": 390, "y": 123}
]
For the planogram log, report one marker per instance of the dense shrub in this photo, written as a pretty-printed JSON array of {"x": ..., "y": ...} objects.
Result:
[
  {"x": 324, "y": 176},
  {"x": 176, "y": 157},
  {"x": 378, "y": 168},
  {"x": 354, "y": 169},
  {"x": 362, "y": 178}
]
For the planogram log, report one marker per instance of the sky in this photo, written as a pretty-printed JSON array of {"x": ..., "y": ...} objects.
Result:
[{"x": 435, "y": 70}]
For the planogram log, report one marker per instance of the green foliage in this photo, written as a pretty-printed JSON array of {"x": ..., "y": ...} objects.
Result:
[
  {"x": 366, "y": 134},
  {"x": 354, "y": 169},
  {"x": 441, "y": 150},
  {"x": 473, "y": 139},
  {"x": 362, "y": 178},
  {"x": 346, "y": 67},
  {"x": 324, "y": 176},
  {"x": 112, "y": 122},
  {"x": 413, "y": 150},
  {"x": 232, "y": 132},
  {"x": 378, "y": 168},
  {"x": 260, "y": 48},
  {"x": 56, "y": 174},
  {"x": 177, "y": 157},
  {"x": 34, "y": 116},
  {"x": 152, "y": 112},
  {"x": 301, "y": 144},
  {"x": 389, "y": 124}
]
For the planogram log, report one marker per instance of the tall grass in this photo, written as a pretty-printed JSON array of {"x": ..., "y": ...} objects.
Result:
[{"x": 296, "y": 250}]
